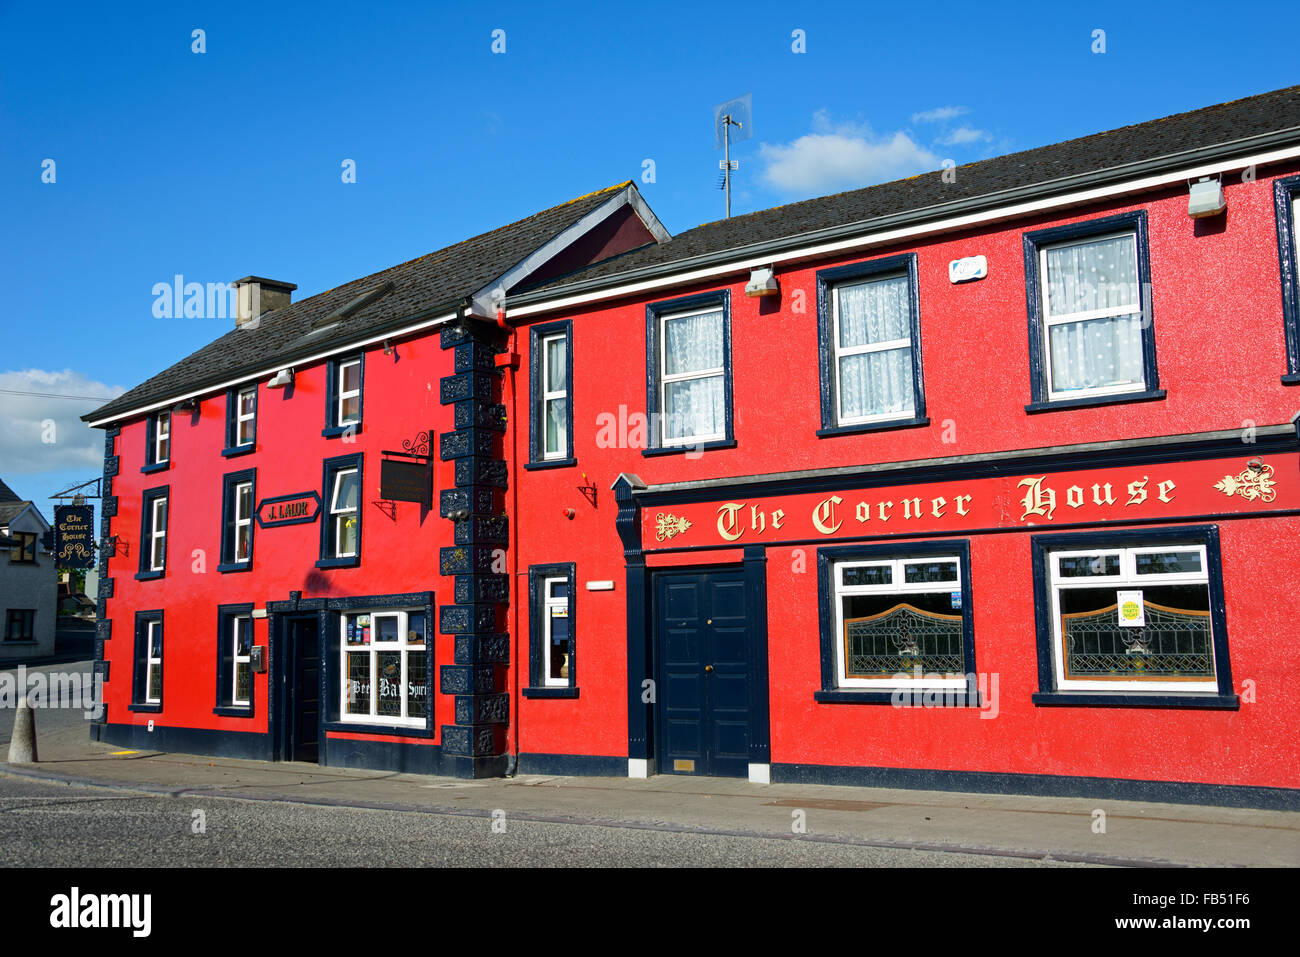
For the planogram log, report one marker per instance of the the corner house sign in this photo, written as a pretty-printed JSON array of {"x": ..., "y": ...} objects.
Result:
[
  {"x": 1129, "y": 494},
  {"x": 74, "y": 543},
  {"x": 295, "y": 509}
]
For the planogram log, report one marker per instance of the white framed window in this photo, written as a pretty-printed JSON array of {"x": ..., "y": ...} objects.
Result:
[
  {"x": 872, "y": 350},
  {"x": 557, "y": 632},
  {"x": 1091, "y": 303},
  {"x": 158, "y": 533},
  {"x": 162, "y": 438},
  {"x": 692, "y": 388},
  {"x": 894, "y": 616},
  {"x": 348, "y": 409},
  {"x": 242, "y": 522},
  {"x": 153, "y": 661},
  {"x": 241, "y": 639},
  {"x": 245, "y": 416},
  {"x": 555, "y": 396},
  {"x": 344, "y": 504},
  {"x": 384, "y": 667},
  {"x": 1132, "y": 619}
]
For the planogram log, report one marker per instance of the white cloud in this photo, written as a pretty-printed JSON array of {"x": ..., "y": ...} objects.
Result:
[
  {"x": 965, "y": 134},
  {"x": 842, "y": 156},
  {"x": 42, "y": 434},
  {"x": 939, "y": 114}
]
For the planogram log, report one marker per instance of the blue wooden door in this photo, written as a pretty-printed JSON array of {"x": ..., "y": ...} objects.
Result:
[{"x": 701, "y": 643}]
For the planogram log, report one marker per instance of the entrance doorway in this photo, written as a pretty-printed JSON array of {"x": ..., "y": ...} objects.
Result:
[
  {"x": 300, "y": 689},
  {"x": 702, "y": 647}
]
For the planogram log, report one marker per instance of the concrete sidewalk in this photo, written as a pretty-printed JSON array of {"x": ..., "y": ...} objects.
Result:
[{"x": 1136, "y": 833}]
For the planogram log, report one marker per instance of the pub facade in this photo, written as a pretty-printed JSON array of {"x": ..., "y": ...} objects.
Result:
[{"x": 981, "y": 481}]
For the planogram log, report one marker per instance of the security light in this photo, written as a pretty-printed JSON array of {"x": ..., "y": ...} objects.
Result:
[
  {"x": 282, "y": 378},
  {"x": 1206, "y": 198}
]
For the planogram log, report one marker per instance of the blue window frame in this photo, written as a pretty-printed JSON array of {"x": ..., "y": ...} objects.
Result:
[
  {"x": 241, "y": 420},
  {"x": 869, "y": 346},
  {"x": 1091, "y": 333},
  {"x": 1286, "y": 197},
  {"x": 550, "y": 383},
  {"x": 552, "y": 631},
  {"x": 155, "y": 510},
  {"x": 235, "y": 640},
  {"x": 147, "y": 663},
  {"x": 158, "y": 442},
  {"x": 891, "y": 608},
  {"x": 345, "y": 379},
  {"x": 341, "y": 512},
  {"x": 688, "y": 374},
  {"x": 238, "y": 519},
  {"x": 1132, "y": 618}
]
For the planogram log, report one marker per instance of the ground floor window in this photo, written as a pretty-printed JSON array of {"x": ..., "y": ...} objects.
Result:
[
  {"x": 384, "y": 667},
  {"x": 20, "y": 624},
  {"x": 147, "y": 677},
  {"x": 552, "y": 630}
]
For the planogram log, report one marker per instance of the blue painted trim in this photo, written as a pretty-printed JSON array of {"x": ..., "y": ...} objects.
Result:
[
  {"x": 275, "y": 500},
  {"x": 225, "y": 661},
  {"x": 1033, "y": 242},
  {"x": 1046, "y": 785},
  {"x": 683, "y": 449},
  {"x": 232, "y": 408},
  {"x": 1284, "y": 193},
  {"x": 874, "y": 427},
  {"x": 332, "y": 428},
  {"x": 150, "y": 446},
  {"x": 1095, "y": 400},
  {"x": 140, "y": 662},
  {"x": 654, "y": 425},
  {"x": 831, "y": 692},
  {"x": 243, "y": 450},
  {"x": 228, "y": 483},
  {"x": 550, "y": 464},
  {"x": 247, "y": 745},
  {"x": 535, "y": 433},
  {"x": 588, "y": 765},
  {"x": 1207, "y": 535},
  {"x": 760, "y": 715},
  {"x": 827, "y": 279},
  {"x": 536, "y": 653},
  {"x": 160, "y": 467},
  {"x": 396, "y": 756},
  {"x": 149, "y": 496},
  {"x": 328, "y": 468}
]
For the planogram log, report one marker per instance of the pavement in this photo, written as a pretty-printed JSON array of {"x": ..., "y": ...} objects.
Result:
[{"x": 1011, "y": 828}]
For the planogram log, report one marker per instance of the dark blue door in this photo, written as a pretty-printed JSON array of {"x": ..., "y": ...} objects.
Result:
[{"x": 702, "y": 645}]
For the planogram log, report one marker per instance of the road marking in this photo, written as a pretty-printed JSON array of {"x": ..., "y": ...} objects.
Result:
[{"x": 116, "y": 753}]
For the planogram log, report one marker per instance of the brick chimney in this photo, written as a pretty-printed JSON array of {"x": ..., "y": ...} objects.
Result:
[{"x": 258, "y": 296}]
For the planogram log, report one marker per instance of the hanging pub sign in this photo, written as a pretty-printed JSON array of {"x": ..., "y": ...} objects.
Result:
[
  {"x": 404, "y": 481},
  {"x": 74, "y": 536},
  {"x": 297, "y": 509}
]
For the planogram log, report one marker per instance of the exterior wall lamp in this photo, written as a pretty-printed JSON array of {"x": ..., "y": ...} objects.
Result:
[
  {"x": 1205, "y": 198},
  {"x": 281, "y": 379},
  {"x": 762, "y": 282}
]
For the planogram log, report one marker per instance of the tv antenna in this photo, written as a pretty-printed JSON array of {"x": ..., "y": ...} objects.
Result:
[
  {"x": 727, "y": 165},
  {"x": 733, "y": 113}
]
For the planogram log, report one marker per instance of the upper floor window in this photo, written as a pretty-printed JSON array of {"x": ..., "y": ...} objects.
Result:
[
  {"x": 343, "y": 396},
  {"x": 237, "y": 505},
  {"x": 341, "y": 524},
  {"x": 1090, "y": 324},
  {"x": 870, "y": 336},
  {"x": 158, "y": 442},
  {"x": 241, "y": 420},
  {"x": 550, "y": 373},
  {"x": 153, "y": 533},
  {"x": 1286, "y": 195},
  {"x": 25, "y": 551},
  {"x": 1131, "y": 612},
  {"x": 689, "y": 377}
]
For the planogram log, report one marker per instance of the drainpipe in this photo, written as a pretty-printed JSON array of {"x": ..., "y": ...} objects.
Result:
[{"x": 509, "y": 361}]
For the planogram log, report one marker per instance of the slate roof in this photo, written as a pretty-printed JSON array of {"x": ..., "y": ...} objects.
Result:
[
  {"x": 437, "y": 281},
  {"x": 11, "y": 510},
  {"x": 1227, "y": 122},
  {"x": 7, "y": 494}
]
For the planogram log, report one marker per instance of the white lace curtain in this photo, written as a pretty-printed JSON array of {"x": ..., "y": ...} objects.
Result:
[
  {"x": 875, "y": 381},
  {"x": 693, "y": 406}
]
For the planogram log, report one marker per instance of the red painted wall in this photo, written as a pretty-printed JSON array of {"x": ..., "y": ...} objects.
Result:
[
  {"x": 401, "y": 398},
  {"x": 1220, "y": 353}
]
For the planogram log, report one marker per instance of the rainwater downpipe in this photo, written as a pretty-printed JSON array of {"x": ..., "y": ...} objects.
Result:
[{"x": 511, "y": 363}]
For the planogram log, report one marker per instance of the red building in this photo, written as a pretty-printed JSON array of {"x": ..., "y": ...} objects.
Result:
[{"x": 984, "y": 479}]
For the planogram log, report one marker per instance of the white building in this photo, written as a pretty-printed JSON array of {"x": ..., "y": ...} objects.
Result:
[{"x": 28, "y": 581}]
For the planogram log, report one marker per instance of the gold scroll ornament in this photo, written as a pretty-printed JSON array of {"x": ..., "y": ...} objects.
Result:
[
  {"x": 667, "y": 526},
  {"x": 1253, "y": 482}
]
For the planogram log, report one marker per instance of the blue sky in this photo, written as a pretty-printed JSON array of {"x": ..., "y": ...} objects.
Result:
[{"x": 219, "y": 164}]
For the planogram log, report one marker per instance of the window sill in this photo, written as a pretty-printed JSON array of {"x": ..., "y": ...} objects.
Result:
[
  {"x": 911, "y": 697},
  {"x": 239, "y": 450},
  {"x": 551, "y": 464},
  {"x": 1129, "y": 699},
  {"x": 404, "y": 731},
  {"x": 149, "y": 576},
  {"x": 234, "y": 711},
  {"x": 882, "y": 426},
  {"x": 682, "y": 449},
  {"x": 334, "y": 431},
  {"x": 10, "y": 642},
  {"x": 339, "y": 562},
  {"x": 1094, "y": 400},
  {"x": 549, "y": 692},
  {"x": 1291, "y": 378},
  {"x": 159, "y": 467},
  {"x": 227, "y": 567},
  {"x": 146, "y": 708}
]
